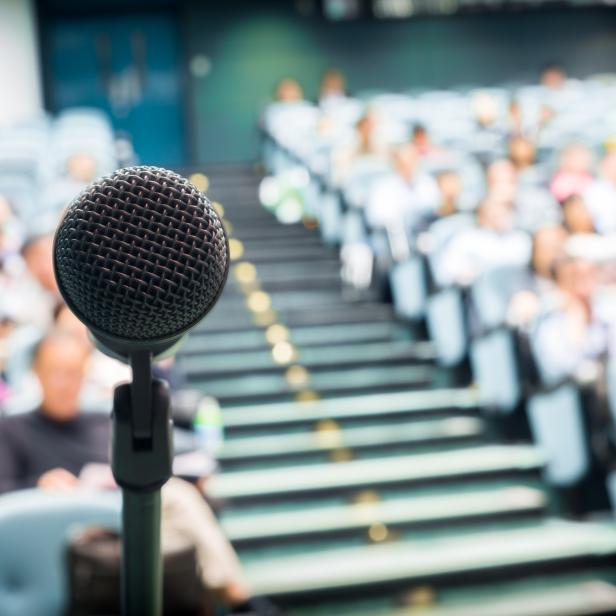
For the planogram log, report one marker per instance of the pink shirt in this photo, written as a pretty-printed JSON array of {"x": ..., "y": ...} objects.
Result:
[{"x": 565, "y": 184}]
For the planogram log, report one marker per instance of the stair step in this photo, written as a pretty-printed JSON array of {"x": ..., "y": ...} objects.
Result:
[
  {"x": 269, "y": 254},
  {"x": 258, "y": 528},
  {"x": 357, "y": 569},
  {"x": 322, "y": 442},
  {"x": 298, "y": 268},
  {"x": 270, "y": 232},
  {"x": 316, "y": 315},
  {"x": 594, "y": 598},
  {"x": 306, "y": 337},
  {"x": 281, "y": 242},
  {"x": 235, "y": 303},
  {"x": 246, "y": 388},
  {"x": 405, "y": 404},
  {"x": 359, "y": 474},
  {"x": 313, "y": 358}
]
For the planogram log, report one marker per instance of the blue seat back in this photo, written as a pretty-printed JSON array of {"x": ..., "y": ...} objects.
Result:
[
  {"x": 446, "y": 320},
  {"x": 353, "y": 229},
  {"x": 331, "y": 218},
  {"x": 557, "y": 426},
  {"x": 408, "y": 288},
  {"x": 34, "y": 529},
  {"x": 492, "y": 292},
  {"x": 493, "y": 362}
]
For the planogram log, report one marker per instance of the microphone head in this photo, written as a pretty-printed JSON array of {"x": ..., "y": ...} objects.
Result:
[{"x": 140, "y": 257}]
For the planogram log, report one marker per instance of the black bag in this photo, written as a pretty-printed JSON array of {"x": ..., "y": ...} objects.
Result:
[{"x": 94, "y": 576}]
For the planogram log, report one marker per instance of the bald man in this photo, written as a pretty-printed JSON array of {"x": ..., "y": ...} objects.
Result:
[{"x": 55, "y": 447}]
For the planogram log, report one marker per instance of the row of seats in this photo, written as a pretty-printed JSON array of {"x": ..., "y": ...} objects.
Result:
[
  {"x": 468, "y": 315},
  {"x": 43, "y": 162}
]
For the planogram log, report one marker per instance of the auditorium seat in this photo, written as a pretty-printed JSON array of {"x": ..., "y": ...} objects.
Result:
[
  {"x": 556, "y": 419},
  {"x": 34, "y": 530}
]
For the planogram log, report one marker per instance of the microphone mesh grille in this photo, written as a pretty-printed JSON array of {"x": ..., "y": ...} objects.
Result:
[{"x": 141, "y": 254}]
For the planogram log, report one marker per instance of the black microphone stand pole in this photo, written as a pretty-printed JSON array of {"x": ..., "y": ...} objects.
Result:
[{"x": 141, "y": 458}]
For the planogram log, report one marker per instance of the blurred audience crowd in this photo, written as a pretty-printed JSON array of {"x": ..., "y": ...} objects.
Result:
[
  {"x": 52, "y": 378},
  {"x": 43, "y": 165},
  {"x": 487, "y": 215},
  {"x": 478, "y": 179}
]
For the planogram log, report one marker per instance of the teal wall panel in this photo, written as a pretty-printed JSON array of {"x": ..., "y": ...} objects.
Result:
[{"x": 251, "y": 45}]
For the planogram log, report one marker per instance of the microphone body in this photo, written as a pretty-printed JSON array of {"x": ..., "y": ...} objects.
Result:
[{"x": 140, "y": 258}]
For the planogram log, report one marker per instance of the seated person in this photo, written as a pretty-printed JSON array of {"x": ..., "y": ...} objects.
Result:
[
  {"x": 487, "y": 114},
  {"x": 501, "y": 179},
  {"x": 525, "y": 301},
  {"x": 11, "y": 234},
  {"x": 516, "y": 118},
  {"x": 333, "y": 87},
  {"x": 81, "y": 168},
  {"x": 425, "y": 146},
  {"x": 534, "y": 205},
  {"x": 103, "y": 372},
  {"x": 490, "y": 128},
  {"x": 553, "y": 76},
  {"x": 576, "y": 217},
  {"x": 568, "y": 332},
  {"x": 573, "y": 175},
  {"x": 528, "y": 125},
  {"x": 522, "y": 154},
  {"x": 447, "y": 219},
  {"x": 289, "y": 112},
  {"x": 600, "y": 196},
  {"x": 55, "y": 447},
  {"x": 288, "y": 90},
  {"x": 31, "y": 291},
  {"x": 450, "y": 188},
  {"x": 365, "y": 145},
  {"x": 492, "y": 242},
  {"x": 403, "y": 198}
]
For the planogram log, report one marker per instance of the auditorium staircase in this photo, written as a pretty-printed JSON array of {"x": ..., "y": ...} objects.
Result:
[{"x": 354, "y": 478}]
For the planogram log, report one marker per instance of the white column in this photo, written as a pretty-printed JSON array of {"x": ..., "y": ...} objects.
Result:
[{"x": 20, "y": 74}]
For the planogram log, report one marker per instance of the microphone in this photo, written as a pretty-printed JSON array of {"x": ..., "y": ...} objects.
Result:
[{"x": 140, "y": 257}]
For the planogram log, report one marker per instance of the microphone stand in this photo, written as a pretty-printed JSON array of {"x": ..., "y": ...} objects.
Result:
[{"x": 141, "y": 461}]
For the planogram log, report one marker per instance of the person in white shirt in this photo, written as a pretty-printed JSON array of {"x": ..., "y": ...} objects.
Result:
[
  {"x": 365, "y": 145},
  {"x": 80, "y": 170},
  {"x": 547, "y": 249},
  {"x": 103, "y": 372},
  {"x": 11, "y": 232},
  {"x": 404, "y": 197},
  {"x": 32, "y": 294},
  {"x": 288, "y": 90},
  {"x": 568, "y": 331},
  {"x": 332, "y": 88},
  {"x": 491, "y": 243},
  {"x": 534, "y": 207},
  {"x": 522, "y": 153},
  {"x": 600, "y": 196},
  {"x": 501, "y": 179}
]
